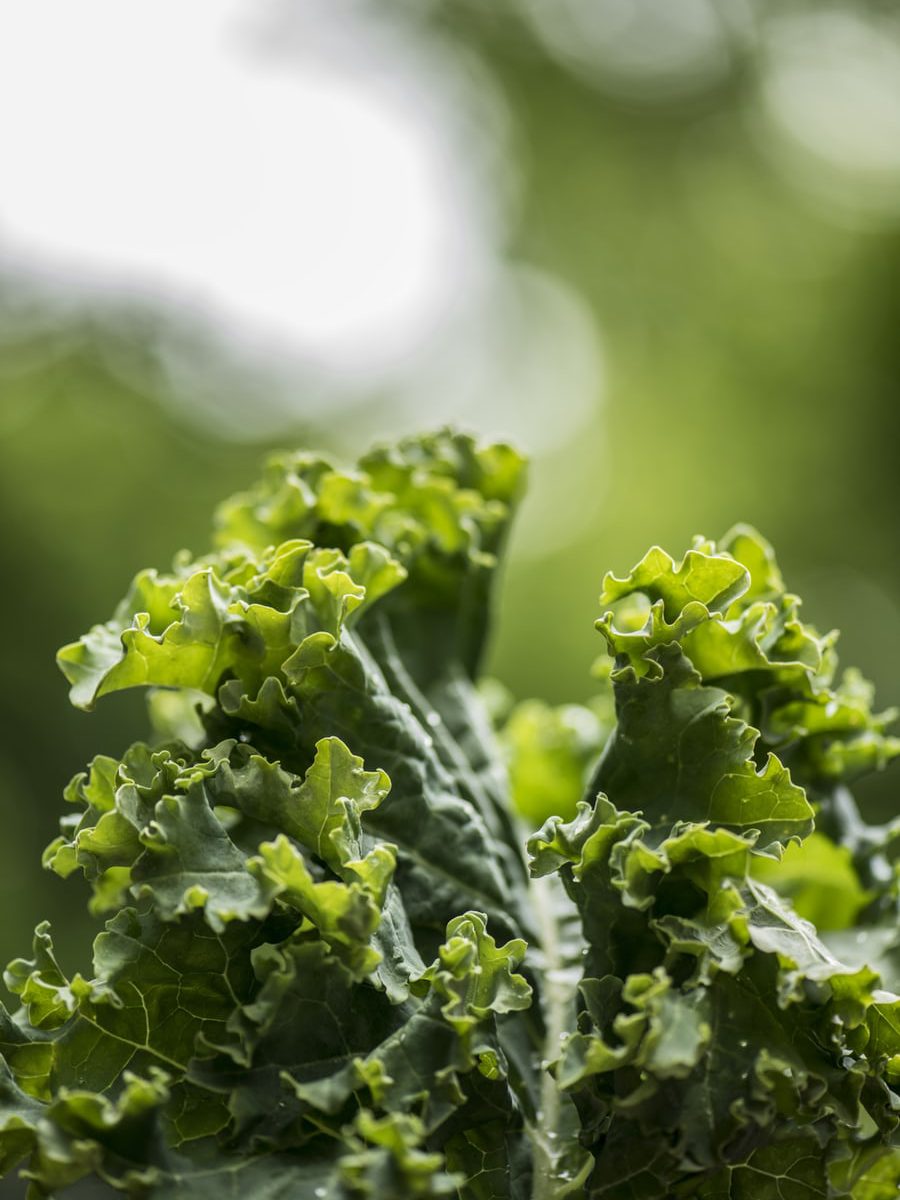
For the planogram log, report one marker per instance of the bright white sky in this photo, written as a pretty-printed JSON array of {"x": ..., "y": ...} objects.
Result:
[
  {"x": 324, "y": 199},
  {"x": 318, "y": 195},
  {"x": 153, "y": 148}
]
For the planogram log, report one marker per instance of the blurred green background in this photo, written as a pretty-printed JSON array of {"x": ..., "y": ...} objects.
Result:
[{"x": 680, "y": 229}]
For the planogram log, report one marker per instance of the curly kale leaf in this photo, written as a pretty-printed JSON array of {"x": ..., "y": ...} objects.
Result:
[
  {"x": 325, "y": 971},
  {"x": 721, "y": 1049}
]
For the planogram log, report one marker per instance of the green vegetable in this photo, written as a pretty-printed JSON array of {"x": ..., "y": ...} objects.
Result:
[{"x": 326, "y": 969}]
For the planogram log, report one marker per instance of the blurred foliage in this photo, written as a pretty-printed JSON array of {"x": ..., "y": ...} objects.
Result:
[{"x": 751, "y": 374}]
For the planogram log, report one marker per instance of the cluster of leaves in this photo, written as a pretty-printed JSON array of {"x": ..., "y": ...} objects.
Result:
[
  {"x": 722, "y": 1048},
  {"x": 326, "y": 970}
]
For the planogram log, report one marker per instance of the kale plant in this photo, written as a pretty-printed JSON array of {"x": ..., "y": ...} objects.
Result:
[{"x": 330, "y": 969}]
